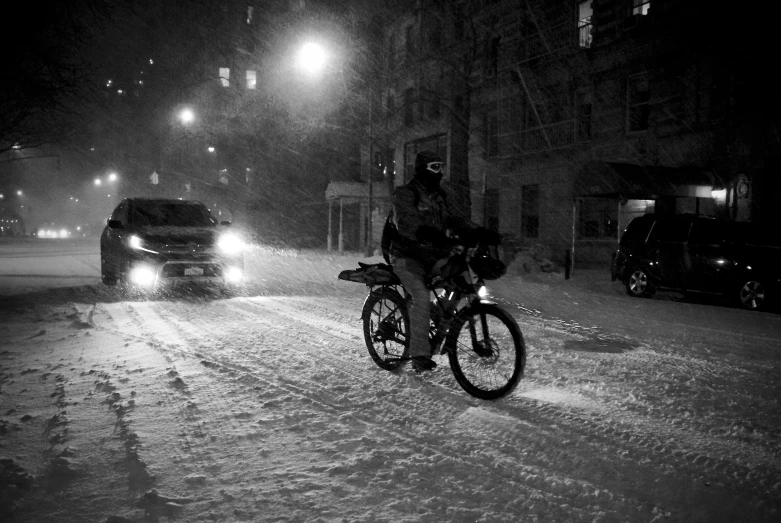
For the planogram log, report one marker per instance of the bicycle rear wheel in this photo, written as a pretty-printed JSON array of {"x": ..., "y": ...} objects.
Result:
[
  {"x": 386, "y": 327},
  {"x": 486, "y": 351}
]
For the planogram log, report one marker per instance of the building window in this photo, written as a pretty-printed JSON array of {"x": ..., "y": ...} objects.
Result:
[
  {"x": 409, "y": 107},
  {"x": 584, "y": 24},
  {"x": 640, "y": 7},
  {"x": 251, "y": 80},
  {"x": 434, "y": 27},
  {"x": 225, "y": 74},
  {"x": 390, "y": 105},
  {"x": 459, "y": 23},
  {"x": 583, "y": 105},
  {"x": 638, "y": 98},
  {"x": 492, "y": 63},
  {"x": 491, "y": 209},
  {"x": 433, "y": 100},
  {"x": 598, "y": 218},
  {"x": 409, "y": 41},
  {"x": 491, "y": 133},
  {"x": 392, "y": 52},
  {"x": 530, "y": 211}
]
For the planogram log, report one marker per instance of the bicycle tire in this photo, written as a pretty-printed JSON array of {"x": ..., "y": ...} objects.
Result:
[
  {"x": 498, "y": 370},
  {"x": 386, "y": 337}
]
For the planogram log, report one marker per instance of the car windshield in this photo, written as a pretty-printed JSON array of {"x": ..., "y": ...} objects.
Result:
[{"x": 171, "y": 214}]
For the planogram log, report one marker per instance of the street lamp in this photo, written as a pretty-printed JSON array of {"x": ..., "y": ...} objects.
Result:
[
  {"x": 311, "y": 58},
  {"x": 187, "y": 115}
]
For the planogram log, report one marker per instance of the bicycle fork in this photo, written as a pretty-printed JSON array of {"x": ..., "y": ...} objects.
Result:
[{"x": 481, "y": 346}]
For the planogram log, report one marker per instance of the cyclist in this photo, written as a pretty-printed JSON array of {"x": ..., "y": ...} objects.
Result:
[{"x": 424, "y": 220}]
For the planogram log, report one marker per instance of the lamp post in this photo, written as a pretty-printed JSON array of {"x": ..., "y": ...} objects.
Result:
[
  {"x": 312, "y": 59},
  {"x": 185, "y": 116}
]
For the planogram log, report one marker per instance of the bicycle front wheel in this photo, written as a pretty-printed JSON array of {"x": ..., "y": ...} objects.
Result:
[
  {"x": 386, "y": 327},
  {"x": 486, "y": 351}
]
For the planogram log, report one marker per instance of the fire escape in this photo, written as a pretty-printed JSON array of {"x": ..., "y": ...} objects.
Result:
[{"x": 534, "y": 99}]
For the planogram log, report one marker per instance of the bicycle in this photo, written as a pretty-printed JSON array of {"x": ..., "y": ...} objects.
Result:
[{"x": 483, "y": 342}]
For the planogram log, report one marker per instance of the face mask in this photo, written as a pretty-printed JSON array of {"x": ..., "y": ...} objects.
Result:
[{"x": 431, "y": 180}]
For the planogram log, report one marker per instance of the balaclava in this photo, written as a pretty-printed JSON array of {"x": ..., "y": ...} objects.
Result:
[{"x": 423, "y": 169}]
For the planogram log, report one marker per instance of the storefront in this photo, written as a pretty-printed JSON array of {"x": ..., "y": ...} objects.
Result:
[{"x": 608, "y": 195}]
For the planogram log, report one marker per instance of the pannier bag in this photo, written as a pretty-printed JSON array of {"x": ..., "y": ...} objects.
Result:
[{"x": 374, "y": 274}]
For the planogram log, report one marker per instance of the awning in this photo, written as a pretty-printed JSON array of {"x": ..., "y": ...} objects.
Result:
[{"x": 624, "y": 180}]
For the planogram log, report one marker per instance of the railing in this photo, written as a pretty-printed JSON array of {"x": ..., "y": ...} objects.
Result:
[
  {"x": 534, "y": 139},
  {"x": 584, "y": 33}
]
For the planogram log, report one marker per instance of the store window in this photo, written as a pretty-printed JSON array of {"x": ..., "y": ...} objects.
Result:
[
  {"x": 598, "y": 218},
  {"x": 530, "y": 211},
  {"x": 638, "y": 97}
]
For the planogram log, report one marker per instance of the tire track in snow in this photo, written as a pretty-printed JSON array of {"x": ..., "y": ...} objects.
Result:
[
  {"x": 444, "y": 417},
  {"x": 273, "y": 317},
  {"x": 400, "y": 409}
]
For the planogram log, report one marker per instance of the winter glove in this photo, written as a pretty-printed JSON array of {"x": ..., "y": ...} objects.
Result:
[
  {"x": 483, "y": 235},
  {"x": 431, "y": 235}
]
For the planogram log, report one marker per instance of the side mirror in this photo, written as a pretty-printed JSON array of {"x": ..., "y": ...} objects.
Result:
[{"x": 115, "y": 224}]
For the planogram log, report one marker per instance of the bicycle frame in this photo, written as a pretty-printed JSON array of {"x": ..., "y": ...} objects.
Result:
[{"x": 450, "y": 299}]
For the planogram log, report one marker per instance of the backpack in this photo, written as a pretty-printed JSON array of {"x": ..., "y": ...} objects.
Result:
[{"x": 390, "y": 232}]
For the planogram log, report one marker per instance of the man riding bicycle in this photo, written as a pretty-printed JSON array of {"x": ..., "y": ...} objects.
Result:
[{"x": 425, "y": 222}]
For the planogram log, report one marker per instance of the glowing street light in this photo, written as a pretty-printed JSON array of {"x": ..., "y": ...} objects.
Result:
[
  {"x": 98, "y": 181},
  {"x": 311, "y": 58},
  {"x": 187, "y": 115},
  {"x": 18, "y": 193},
  {"x": 112, "y": 177}
]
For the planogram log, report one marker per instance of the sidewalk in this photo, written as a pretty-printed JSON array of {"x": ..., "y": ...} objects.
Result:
[{"x": 590, "y": 302}]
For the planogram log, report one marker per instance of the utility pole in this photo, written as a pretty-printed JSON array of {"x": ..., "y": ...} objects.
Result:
[{"x": 369, "y": 249}]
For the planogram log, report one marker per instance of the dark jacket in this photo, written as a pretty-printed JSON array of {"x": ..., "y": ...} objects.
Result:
[{"x": 422, "y": 217}]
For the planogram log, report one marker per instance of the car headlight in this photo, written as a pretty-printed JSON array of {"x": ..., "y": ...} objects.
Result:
[
  {"x": 135, "y": 242},
  {"x": 142, "y": 275},
  {"x": 230, "y": 243}
]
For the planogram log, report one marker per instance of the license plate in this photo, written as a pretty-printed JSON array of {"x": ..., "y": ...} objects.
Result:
[{"x": 193, "y": 271}]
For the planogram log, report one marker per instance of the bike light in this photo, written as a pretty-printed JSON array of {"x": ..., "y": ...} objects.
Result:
[
  {"x": 142, "y": 275},
  {"x": 233, "y": 274},
  {"x": 230, "y": 243},
  {"x": 482, "y": 291}
]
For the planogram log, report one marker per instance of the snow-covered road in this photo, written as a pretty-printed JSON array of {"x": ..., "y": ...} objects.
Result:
[{"x": 267, "y": 407}]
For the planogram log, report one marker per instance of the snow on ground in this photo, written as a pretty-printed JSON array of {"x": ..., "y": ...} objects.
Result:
[{"x": 195, "y": 406}]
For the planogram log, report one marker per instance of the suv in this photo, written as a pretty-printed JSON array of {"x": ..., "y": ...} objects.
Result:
[
  {"x": 695, "y": 253},
  {"x": 150, "y": 242}
]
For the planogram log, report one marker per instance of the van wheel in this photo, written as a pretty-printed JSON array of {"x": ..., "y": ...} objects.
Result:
[
  {"x": 752, "y": 295},
  {"x": 638, "y": 284}
]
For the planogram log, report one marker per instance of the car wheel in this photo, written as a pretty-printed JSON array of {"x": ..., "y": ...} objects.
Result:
[
  {"x": 638, "y": 284},
  {"x": 106, "y": 276},
  {"x": 752, "y": 295}
]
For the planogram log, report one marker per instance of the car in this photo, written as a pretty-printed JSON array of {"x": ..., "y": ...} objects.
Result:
[
  {"x": 692, "y": 253},
  {"x": 149, "y": 243}
]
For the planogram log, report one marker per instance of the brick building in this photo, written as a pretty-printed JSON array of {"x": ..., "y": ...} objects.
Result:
[{"x": 582, "y": 115}]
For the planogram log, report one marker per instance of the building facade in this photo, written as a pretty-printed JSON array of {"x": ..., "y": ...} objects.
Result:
[{"x": 582, "y": 115}]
